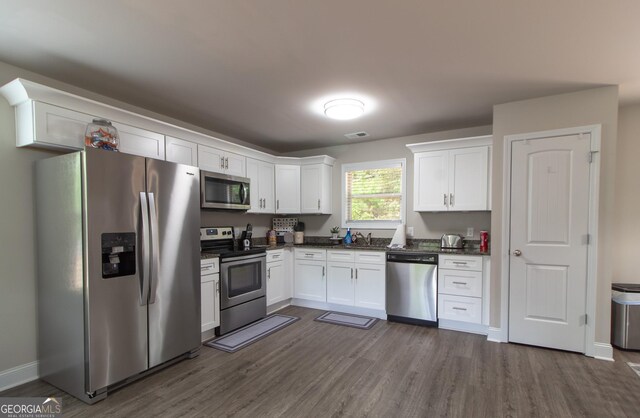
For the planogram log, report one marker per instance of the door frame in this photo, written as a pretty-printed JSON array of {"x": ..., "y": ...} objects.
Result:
[{"x": 592, "y": 348}]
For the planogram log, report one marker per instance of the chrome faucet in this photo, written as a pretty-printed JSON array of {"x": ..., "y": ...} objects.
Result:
[{"x": 366, "y": 239}]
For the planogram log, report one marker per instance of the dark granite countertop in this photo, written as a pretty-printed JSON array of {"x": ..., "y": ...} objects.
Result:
[
  {"x": 205, "y": 256},
  {"x": 414, "y": 248}
]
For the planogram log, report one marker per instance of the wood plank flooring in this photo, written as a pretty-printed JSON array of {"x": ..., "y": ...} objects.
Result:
[{"x": 312, "y": 369}]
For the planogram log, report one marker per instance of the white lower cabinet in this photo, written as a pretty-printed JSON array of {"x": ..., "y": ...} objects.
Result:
[
  {"x": 210, "y": 294},
  {"x": 356, "y": 278},
  {"x": 310, "y": 274},
  {"x": 462, "y": 293},
  {"x": 278, "y": 276}
]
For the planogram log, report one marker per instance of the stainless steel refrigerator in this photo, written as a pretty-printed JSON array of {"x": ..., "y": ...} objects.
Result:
[{"x": 118, "y": 250}]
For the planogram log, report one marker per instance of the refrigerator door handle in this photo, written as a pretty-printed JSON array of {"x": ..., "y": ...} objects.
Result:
[
  {"x": 144, "y": 286},
  {"x": 155, "y": 248}
]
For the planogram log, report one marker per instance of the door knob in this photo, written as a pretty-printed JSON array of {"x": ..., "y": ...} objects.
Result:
[{"x": 517, "y": 253}]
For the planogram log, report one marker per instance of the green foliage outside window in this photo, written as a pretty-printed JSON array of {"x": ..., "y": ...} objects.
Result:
[{"x": 374, "y": 194}]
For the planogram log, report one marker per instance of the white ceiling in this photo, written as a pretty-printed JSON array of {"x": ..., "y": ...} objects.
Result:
[{"x": 252, "y": 69}]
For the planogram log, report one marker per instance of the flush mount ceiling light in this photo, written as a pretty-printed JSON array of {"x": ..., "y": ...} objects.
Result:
[{"x": 343, "y": 109}]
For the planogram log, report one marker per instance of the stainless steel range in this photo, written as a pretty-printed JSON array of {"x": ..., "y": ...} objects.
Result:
[{"x": 242, "y": 278}]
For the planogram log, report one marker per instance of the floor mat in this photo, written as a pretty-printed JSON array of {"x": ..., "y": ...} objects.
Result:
[
  {"x": 245, "y": 336},
  {"x": 635, "y": 367},
  {"x": 348, "y": 320}
]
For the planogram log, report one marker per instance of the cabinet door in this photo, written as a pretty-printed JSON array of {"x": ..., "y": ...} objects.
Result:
[
  {"x": 310, "y": 188},
  {"x": 210, "y": 159},
  {"x": 275, "y": 282},
  {"x": 370, "y": 286},
  {"x": 340, "y": 283},
  {"x": 54, "y": 126},
  {"x": 234, "y": 164},
  {"x": 430, "y": 181},
  {"x": 207, "y": 304},
  {"x": 140, "y": 142},
  {"x": 181, "y": 151},
  {"x": 468, "y": 170},
  {"x": 310, "y": 281},
  {"x": 253, "y": 173},
  {"x": 267, "y": 187},
  {"x": 288, "y": 189}
]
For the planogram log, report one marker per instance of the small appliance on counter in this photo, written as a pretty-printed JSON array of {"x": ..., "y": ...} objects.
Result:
[
  {"x": 298, "y": 235},
  {"x": 284, "y": 228},
  {"x": 451, "y": 241},
  {"x": 245, "y": 239}
]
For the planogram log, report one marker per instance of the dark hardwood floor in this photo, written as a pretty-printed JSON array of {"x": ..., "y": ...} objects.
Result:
[{"x": 312, "y": 369}]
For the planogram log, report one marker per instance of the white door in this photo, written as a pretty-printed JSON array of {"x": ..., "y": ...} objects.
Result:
[
  {"x": 340, "y": 285},
  {"x": 181, "y": 151},
  {"x": 310, "y": 280},
  {"x": 430, "y": 181},
  {"x": 275, "y": 282},
  {"x": 267, "y": 187},
  {"x": 548, "y": 247},
  {"x": 468, "y": 178},
  {"x": 370, "y": 286},
  {"x": 287, "y": 189}
]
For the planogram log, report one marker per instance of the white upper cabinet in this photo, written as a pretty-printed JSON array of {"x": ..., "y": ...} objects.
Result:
[
  {"x": 452, "y": 175},
  {"x": 287, "y": 189},
  {"x": 50, "y": 126},
  {"x": 219, "y": 161},
  {"x": 181, "y": 151},
  {"x": 315, "y": 188},
  {"x": 262, "y": 188},
  {"x": 140, "y": 142}
]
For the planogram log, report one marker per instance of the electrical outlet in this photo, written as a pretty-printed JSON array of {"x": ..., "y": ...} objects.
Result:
[
  {"x": 469, "y": 232},
  {"x": 409, "y": 231}
]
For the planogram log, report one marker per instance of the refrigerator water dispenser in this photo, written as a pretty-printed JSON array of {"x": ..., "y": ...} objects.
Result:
[{"x": 118, "y": 254}]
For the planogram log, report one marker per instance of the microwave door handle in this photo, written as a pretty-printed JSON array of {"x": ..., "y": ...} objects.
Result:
[
  {"x": 144, "y": 275},
  {"x": 243, "y": 195},
  {"x": 155, "y": 248}
]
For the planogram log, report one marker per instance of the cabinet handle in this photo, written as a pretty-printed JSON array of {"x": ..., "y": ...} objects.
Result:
[
  {"x": 352, "y": 272},
  {"x": 460, "y": 263},
  {"x": 356, "y": 274},
  {"x": 218, "y": 287},
  {"x": 451, "y": 199},
  {"x": 308, "y": 254},
  {"x": 269, "y": 273},
  {"x": 318, "y": 204},
  {"x": 226, "y": 163},
  {"x": 463, "y": 283},
  {"x": 444, "y": 202},
  {"x": 278, "y": 204},
  {"x": 459, "y": 309},
  {"x": 222, "y": 162},
  {"x": 205, "y": 268},
  {"x": 322, "y": 271}
]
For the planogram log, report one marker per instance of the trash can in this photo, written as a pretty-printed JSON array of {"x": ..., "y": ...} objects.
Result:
[{"x": 625, "y": 315}]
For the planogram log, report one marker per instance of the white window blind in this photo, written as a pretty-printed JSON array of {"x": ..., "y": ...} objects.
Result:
[{"x": 374, "y": 194}]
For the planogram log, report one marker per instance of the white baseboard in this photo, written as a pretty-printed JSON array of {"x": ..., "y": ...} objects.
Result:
[
  {"x": 18, "y": 375},
  {"x": 277, "y": 306},
  {"x": 339, "y": 308},
  {"x": 496, "y": 335},
  {"x": 462, "y": 326},
  {"x": 603, "y": 351}
]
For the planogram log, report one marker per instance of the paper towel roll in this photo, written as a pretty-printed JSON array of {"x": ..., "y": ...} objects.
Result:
[{"x": 399, "y": 239}]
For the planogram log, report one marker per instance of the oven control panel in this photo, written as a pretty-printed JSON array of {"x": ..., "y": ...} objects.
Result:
[{"x": 213, "y": 233}]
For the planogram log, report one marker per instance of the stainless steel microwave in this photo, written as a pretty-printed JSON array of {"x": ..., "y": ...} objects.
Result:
[{"x": 221, "y": 191}]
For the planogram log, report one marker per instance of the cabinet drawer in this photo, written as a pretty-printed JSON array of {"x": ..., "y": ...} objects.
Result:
[
  {"x": 310, "y": 254},
  {"x": 460, "y": 262},
  {"x": 341, "y": 255},
  {"x": 459, "y": 282},
  {"x": 209, "y": 266},
  {"x": 275, "y": 255},
  {"x": 460, "y": 308},
  {"x": 371, "y": 257}
]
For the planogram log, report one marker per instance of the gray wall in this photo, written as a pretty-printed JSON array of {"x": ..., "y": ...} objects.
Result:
[
  {"x": 426, "y": 225},
  {"x": 627, "y": 207},
  {"x": 588, "y": 107}
]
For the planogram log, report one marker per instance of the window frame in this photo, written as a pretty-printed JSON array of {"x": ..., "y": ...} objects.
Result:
[{"x": 372, "y": 165}]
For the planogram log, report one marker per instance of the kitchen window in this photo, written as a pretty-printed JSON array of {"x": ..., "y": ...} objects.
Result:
[{"x": 374, "y": 194}]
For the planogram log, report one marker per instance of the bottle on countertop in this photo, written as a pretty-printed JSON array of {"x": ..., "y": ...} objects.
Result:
[{"x": 347, "y": 236}]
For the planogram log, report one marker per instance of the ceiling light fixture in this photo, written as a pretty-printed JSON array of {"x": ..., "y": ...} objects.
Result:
[{"x": 344, "y": 109}]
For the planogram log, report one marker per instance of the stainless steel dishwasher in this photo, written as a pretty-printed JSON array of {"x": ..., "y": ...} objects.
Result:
[{"x": 412, "y": 288}]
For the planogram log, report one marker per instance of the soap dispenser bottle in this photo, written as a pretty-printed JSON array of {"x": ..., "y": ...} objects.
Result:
[{"x": 347, "y": 236}]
